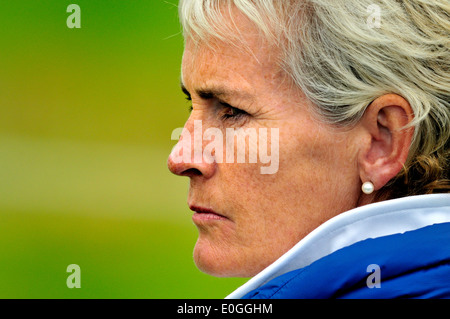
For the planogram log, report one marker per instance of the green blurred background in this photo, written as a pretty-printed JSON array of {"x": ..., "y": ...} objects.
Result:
[{"x": 86, "y": 117}]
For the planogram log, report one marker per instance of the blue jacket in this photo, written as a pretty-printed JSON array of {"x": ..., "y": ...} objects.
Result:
[{"x": 393, "y": 249}]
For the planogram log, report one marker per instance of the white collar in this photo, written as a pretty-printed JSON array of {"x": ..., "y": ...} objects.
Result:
[{"x": 370, "y": 221}]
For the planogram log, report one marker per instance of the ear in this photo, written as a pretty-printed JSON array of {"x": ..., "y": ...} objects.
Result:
[{"x": 386, "y": 141}]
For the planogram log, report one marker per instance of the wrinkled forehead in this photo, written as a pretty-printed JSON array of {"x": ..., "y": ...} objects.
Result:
[
  {"x": 244, "y": 45},
  {"x": 228, "y": 45},
  {"x": 226, "y": 62}
]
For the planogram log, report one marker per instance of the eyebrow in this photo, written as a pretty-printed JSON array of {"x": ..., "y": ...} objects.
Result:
[{"x": 217, "y": 92}]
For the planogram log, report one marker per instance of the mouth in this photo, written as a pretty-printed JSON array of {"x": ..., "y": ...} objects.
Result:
[{"x": 205, "y": 214}]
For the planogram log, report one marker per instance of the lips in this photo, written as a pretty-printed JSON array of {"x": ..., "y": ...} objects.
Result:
[{"x": 205, "y": 214}]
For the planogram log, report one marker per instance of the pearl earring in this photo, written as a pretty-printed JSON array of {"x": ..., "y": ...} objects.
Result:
[{"x": 368, "y": 188}]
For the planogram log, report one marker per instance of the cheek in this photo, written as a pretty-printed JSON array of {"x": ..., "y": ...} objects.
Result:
[
  {"x": 321, "y": 174},
  {"x": 249, "y": 243},
  {"x": 304, "y": 192},
  {"x": 264, "y": 225}
]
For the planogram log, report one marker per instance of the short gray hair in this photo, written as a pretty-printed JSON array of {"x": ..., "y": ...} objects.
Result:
[{"x": 342, "y": 63}]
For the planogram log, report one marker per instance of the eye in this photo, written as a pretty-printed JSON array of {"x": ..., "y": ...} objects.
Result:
[
  {"x": 188, "y": 98},
  {"x": 230, "y": 112}
]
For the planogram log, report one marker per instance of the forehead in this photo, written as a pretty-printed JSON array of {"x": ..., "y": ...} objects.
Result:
[
  {"x": 246, "y": 54},
  {"x": 227, "y": 63}
]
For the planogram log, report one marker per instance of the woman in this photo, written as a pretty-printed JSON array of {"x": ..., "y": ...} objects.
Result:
[{"x": 357, "y": 98}]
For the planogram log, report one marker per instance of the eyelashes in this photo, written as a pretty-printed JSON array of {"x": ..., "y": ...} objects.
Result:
[
  {"x": 230, "y": 112},
  {"x": 227, "y": 111},
  {"x": 190, "y": 108}
]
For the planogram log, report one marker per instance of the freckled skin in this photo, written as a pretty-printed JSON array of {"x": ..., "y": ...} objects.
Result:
[{"x": 266, "y": 215}]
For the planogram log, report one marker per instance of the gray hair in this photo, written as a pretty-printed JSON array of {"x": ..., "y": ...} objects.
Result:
[{"x": 342, "y": 63}]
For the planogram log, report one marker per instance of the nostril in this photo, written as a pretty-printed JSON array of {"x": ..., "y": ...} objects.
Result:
[{"x": 191, "y": 172}]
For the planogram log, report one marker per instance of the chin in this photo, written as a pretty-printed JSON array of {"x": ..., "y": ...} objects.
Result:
[
  {"x": 211, "y": 260},
  {"x": 222, "y": 260}
]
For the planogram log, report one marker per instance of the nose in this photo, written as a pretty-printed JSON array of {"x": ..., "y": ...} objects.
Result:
[{"x": 187, "y": 157}]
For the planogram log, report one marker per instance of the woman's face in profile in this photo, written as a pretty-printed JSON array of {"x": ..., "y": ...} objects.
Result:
[{"x": 246, "y": 219}]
